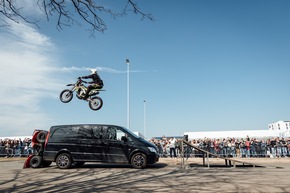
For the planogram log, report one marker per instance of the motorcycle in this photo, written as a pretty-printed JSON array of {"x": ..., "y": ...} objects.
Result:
[{"x": 95, "y": 102}]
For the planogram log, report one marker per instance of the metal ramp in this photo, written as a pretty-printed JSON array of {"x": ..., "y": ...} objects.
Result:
[{"x": 232, "y": 162}]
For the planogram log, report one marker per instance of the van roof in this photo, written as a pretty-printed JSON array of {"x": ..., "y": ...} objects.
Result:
[{"x": 78, "y": 125}]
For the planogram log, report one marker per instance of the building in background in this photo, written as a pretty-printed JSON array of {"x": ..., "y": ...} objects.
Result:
[
  {"x": 276, "y": 129},
  {"x": 283, "y": 127},
  {"x": 280, "y": 125}
]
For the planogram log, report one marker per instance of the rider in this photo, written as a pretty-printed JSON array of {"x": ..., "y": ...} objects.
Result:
[{"x": 96, "y": 83}]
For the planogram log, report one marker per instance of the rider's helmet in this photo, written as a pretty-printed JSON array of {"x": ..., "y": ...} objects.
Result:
[{"x": 93, "y": 71}]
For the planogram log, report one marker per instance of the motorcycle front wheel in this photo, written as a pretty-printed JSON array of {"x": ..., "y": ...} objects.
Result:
[
  {"x": 66, "y": 96},
  {"x": 96, "y": 103}
]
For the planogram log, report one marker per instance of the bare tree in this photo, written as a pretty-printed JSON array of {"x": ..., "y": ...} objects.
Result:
[{"x": 69, "y": 12}]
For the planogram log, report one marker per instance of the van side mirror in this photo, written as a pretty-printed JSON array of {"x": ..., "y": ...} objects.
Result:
[{"x": 124, "y": 138}]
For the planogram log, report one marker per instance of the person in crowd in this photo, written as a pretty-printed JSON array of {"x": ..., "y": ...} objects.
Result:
[
  {"x": 229, "y": 148},
  {"x": 233, "y": 147},
  {"x": 284, "y": 147},
  {"x": 8, "y": 148},
  {"x": 243, "y": 148},
  {"x": 177, "y": 148},
  {"x": 253, "y": 146},
  {"x": 278, "y": 147},
  {"x": 225, "y": 148},
  {"x": 2, "y": 147},
  {"x": 188, "y": 150},
  {"x": 248, "y": 147},
  {"x": 217, "y": 146},
  {"x": 288, "y": 146},
  {"x": 160, "y": 147},
  {"x": 237, "y": 145},
  {"x": 263, "y": 148},
  {"x": 17, "y": 148},
  {"x": 172, "y": 144},
  {"x": 273, "y": 148},
  {"x": 211, "y": 146}
]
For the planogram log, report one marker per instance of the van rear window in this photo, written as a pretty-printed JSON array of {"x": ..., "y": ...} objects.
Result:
[{"x": 64, "y": 134}]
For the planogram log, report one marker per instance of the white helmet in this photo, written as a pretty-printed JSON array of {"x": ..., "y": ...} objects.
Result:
[{"x": 93, "y": 71}]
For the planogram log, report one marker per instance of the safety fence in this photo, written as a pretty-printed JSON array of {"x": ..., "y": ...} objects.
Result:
[
  {"x": 191, "y": 151},
  {"x": 20, "y": 151}
]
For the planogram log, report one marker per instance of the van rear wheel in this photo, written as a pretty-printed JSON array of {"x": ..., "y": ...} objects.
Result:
[
  {"x": 35, "y": 161},
  {"x": 64, "y": 161},
  {"x": 41, "y": 136},
  {"x": 139, "y": 160}
]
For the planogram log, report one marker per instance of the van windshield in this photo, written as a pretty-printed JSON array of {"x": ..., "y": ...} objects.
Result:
[{"x": 130, "y": 132}]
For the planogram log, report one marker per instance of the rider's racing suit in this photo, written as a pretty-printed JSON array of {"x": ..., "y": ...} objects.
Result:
[{"x": 96, "y": 82}]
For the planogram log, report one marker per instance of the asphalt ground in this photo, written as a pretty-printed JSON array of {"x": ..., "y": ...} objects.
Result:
[{"x": 168, "y": 175}]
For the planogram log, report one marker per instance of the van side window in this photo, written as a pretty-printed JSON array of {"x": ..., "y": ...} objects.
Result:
[
  {"x": 63, "y": 134},
  {"x": 120, "y": 134},
  {"x": 97, "y": 132},
  {"x": 111, "y": 133},
  {"x": 90, "y": 132},
  {"x": 85, "y": 133}
]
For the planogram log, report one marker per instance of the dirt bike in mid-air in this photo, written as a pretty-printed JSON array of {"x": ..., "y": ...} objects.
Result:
[{"x": 95, "y": 102}]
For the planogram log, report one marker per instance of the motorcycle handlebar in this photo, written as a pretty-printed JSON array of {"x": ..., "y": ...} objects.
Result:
[{"x": 82, "y": 80}]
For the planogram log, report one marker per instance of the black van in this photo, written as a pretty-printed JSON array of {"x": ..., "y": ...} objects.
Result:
[{"x": 77, "y": 144}]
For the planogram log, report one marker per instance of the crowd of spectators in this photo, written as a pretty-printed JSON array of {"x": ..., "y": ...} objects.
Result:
[
  {"x": 15, "y": 147},
  {"x": 170, "y": 147},
  {"x": 227, "y": 147}
]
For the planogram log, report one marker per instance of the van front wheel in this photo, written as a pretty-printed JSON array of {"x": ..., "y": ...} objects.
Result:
[
  {"x": 64, "y": 161},
  {"x": 139, "y": 160}
]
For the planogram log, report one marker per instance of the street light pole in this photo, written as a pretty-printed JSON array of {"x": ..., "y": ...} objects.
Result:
[
  {"x": 145, "y": 119},
  {"x": 128, "y": 93}
]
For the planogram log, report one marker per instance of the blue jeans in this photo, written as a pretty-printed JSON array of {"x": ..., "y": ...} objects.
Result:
[
  {"x": 224, "y": 151},
  {"x": 233, "y": 151},
  {"x": 243, "y": 152},
  {"x": 284, "y": 151},
  {"x": 273, "y": 151},
  {"x": 279, "y": 151},
  {"x": 253, "y": 152},
  {"x": 248, "y": 153}
]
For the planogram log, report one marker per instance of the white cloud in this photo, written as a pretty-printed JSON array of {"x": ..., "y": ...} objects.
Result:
[
  {"x": 27, "y": 76},
  {"x": 103, "y": 69},
  {"x": 99, "y": 68},
  {"x": 29, "y": 8}
]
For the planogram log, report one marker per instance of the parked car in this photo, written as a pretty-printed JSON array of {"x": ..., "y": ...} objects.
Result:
[{"x": 69, "y": 145}]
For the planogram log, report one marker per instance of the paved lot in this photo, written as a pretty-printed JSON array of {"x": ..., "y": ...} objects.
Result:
[{"x": 166, "y": 176}]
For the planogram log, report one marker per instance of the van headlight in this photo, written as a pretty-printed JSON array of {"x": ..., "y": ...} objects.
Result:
[{"x": 152, "y": 149}]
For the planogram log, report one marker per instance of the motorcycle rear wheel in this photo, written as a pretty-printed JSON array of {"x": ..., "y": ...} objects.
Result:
[
  {"x": 66, "y": 96},
  {"x": 96, "y": 103}
]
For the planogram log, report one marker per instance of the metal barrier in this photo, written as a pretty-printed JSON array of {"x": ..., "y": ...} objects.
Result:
[
  {"x": 15, "y": 152},
  {"x": 229, "y": 161}
]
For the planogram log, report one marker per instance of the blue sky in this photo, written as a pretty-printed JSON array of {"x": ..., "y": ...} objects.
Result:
[{"x": 200, "y": 66}]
